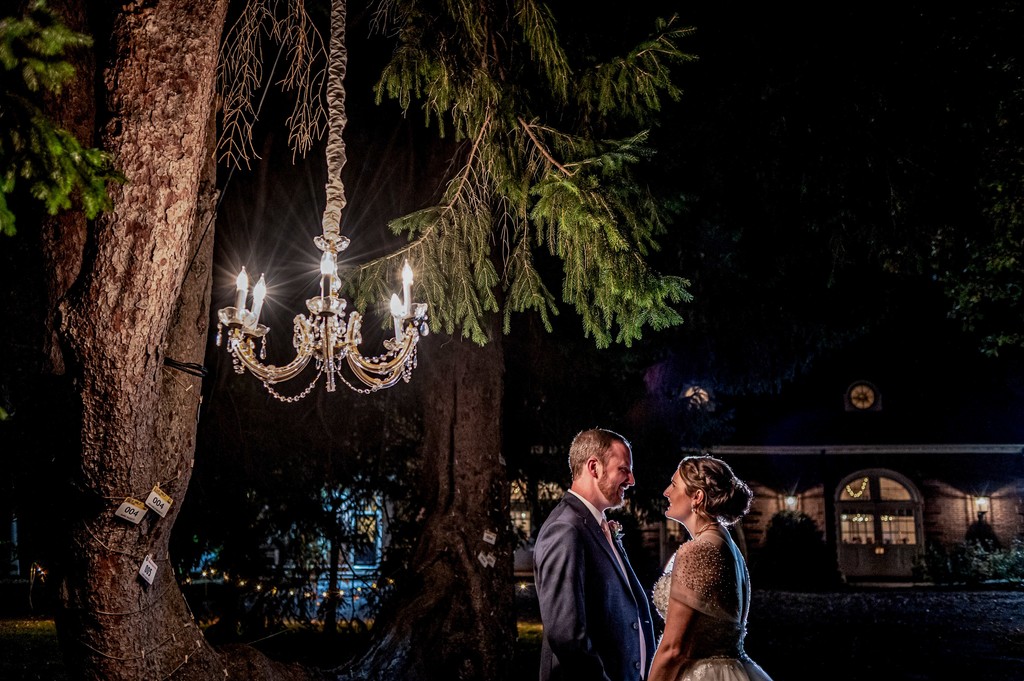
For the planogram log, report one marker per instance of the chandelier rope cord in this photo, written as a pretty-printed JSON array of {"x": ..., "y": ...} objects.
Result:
[{"x": 336, "y": 157}]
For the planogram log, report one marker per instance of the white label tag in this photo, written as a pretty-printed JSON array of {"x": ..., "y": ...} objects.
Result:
[
  {"x": 482, "y": 557},
  {"x": 158, "y": 501},
  {"x": 490, "y": 537},
  {"x": 131, "y": 510},
  {"x": 148, "y": 569}
]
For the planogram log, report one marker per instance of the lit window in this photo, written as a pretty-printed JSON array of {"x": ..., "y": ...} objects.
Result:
[
  {"x": 898, "y": 527},
  {"x": 878, "y": 509},
  {"x": 698, "y": 396},
  {"x": 520, "y": 509},
  {"x": 548, "y": 491},
  {"x": 890, "y": 489},
  {"x": 365, "y": 539},
  {"x": 857, "y": 528}
]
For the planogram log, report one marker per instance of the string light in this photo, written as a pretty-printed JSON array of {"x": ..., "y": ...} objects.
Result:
[{"x": 858, "y": 494}]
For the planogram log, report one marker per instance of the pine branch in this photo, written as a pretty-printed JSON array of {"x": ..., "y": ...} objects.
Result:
[
  {"x": 54, "y": 167},
  {"x": 240, "y": 76},
  {"x": 524, "y": 183}
]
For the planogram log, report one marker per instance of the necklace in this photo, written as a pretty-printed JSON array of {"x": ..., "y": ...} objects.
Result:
[{"x": 704, "y": 529}]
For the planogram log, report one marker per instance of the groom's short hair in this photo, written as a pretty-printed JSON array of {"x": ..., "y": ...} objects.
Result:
[{"x": 595, "y": 442}]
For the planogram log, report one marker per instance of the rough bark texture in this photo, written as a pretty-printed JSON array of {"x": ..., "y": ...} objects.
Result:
[
  {"x": 457, "y": 617},
  {"x": 133, "y": 291}
]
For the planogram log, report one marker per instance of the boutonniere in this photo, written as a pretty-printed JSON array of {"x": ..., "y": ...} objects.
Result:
[{"x": 615, "y": 527}]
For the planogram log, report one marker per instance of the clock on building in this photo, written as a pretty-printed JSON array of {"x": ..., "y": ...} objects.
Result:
[{"x": 862, "y": 396}]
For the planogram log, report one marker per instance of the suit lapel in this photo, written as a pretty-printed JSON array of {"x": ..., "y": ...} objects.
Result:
[{"x": 598, "y": 536}]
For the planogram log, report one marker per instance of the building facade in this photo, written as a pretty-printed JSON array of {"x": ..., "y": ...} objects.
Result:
[{"x": 879, "y": 507}]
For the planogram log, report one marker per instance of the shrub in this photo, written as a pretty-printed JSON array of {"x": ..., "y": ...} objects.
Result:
[
  {"x": 794, "y": 556},
  {"x": 972, "y": 562}
]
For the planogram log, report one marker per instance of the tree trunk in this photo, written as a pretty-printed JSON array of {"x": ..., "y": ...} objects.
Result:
[
  {"x": 331, "y": 601},
  {"x": 456, "y": 615},
  {"x": 133, "y": 292}
]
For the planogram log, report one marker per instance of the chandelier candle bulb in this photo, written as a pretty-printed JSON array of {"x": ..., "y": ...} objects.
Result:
[
  {"x": 327, "y": 270},
  {"x": 242, "y": 286},
  {"x": 327, "y": 263},
  {"x": 397, "y": 312},
  {"x": 406, "y": 288},
  {"x": 259, "y": 292}
]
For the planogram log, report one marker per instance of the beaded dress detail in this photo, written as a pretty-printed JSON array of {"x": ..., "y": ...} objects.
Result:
[{"x": 709, "y": 575}]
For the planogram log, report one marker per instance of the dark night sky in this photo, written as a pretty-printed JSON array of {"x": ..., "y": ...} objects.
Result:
[{"x": 797, "y": 127}]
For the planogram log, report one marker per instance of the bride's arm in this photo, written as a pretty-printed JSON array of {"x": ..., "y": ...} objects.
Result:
[{"x": 671, "y": 654}]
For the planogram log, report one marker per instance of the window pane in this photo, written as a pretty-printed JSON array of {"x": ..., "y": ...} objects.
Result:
[
  {"x": 856, "y": 490},
  {"x": 521, "y": 519},
  {"x": 898, "y": 527},
  {"x": 857, "y": 528},
  {"x": 890, "y": 489},
  {"x": 364, "y": 541},
  {"x": 547, "y": 491}
]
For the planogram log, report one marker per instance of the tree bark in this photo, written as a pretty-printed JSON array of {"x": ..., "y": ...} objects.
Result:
[
  {"x": 133, "y": 291},
  {"x": 456, "y": 616}
]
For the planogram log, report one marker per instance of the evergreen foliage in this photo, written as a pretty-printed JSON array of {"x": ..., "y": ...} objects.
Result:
[
  {"x": 548, "y": 149},
  {"x": 54, "y": 166},
  {"x": 979, "y": 266}
]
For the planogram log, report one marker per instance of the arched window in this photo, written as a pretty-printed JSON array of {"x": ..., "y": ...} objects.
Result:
[
  {"x": 867, "y": 516},
  {"x": 879, "y": 518}
]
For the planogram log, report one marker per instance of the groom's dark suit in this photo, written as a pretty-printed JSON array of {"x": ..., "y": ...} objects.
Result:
[{"x": 591, "y": 611}]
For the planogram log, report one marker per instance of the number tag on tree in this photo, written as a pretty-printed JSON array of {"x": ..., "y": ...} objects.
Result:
[
  {"x": 490, "y": 537},
  {"x": 131, "y": 510},
  {"x": 159, "y": 501},
  {"x": 148, "y": 569}
]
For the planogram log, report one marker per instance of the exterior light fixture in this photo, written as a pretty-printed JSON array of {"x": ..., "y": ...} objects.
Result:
[{"x": 981, "y": 506}]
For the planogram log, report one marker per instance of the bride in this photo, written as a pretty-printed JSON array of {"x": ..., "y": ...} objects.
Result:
[{"x": 704, "y": 594}]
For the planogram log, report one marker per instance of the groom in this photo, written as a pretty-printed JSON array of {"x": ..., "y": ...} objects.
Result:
[{"x": 597, "y": 623}]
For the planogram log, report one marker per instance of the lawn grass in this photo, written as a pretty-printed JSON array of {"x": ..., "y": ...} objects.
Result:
[{"x": 29, "y": 651}]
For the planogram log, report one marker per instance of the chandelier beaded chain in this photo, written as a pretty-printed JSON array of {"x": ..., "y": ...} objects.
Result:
[{"x": 324, "y": 335}]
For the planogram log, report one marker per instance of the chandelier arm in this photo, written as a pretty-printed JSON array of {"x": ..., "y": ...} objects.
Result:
[
  {"x": 357, "y": 361},
  {"x": 245, "y": 353},
  {"x": 376, "y": 377}
]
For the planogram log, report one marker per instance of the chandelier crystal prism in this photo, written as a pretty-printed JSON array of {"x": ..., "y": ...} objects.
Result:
[{"x": 326, "y": 335}]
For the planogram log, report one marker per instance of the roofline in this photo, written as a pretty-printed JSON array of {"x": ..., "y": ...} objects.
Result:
[{"x": 808, "y": 450}]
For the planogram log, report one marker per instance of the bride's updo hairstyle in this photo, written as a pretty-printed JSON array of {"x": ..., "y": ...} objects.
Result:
[{"x": 726, "y": 497}]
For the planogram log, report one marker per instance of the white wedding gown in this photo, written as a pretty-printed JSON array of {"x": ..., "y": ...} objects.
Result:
[{"x": 709, "y": 575}]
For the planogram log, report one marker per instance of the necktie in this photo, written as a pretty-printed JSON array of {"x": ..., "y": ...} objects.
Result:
[{"x": 607, "y": 533}]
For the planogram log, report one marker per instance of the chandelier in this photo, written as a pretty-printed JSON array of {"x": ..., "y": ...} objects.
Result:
[{"x": 326, "y": 335}]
